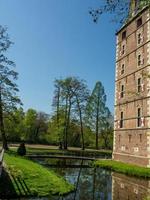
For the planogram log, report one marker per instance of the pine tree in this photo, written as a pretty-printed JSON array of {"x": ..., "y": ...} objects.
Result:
[{"x": 96, "y": 111}]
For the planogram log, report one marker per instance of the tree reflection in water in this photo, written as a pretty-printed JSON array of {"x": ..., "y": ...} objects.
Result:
[
  {"x": 90, "y": 183},
  {"x": 96, "y": 183}
]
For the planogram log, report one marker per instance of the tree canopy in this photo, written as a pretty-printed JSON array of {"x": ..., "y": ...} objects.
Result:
[{"x": 8, "y": 86}]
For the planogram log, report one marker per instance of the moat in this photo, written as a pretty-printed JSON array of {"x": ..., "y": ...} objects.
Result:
[{"x": 96, "y": 183}]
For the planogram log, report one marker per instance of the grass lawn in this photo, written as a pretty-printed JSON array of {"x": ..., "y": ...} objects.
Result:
[
  {"x": 125, "y": 168},
  {"x": 40, "y": 180},
  {"x": 71, "y": 151}
]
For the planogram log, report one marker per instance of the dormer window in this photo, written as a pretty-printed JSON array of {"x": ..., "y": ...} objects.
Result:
[
  {"x": 122, "y": 69},
  {"x": 123, "y": 35},
  {"x": 139, "y": 22}
]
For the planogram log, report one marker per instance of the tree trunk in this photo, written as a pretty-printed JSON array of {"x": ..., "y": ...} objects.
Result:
[
  {"x": 105, "y": 138},
  {"x": 68, "y": 122},
  {"x": 106, "y": 143},
  {"x": 81, "y": 124},
  {"x": 2, "y": 130},
  {"x": 97, "y": 132},
  {"x": 97, "y": 121},
  {"x": 65, "y": 128},
  {"x": 58, "y": 105},
  {"x": 36, "y": 138}
]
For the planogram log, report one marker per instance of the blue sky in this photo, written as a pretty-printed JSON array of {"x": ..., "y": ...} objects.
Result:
[{"x": 54, "y": 39}]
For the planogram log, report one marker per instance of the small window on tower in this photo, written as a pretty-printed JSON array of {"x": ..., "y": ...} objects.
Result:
[
  {"x": 139, "y": 60},
  {"x": 119, "y": 138},
  {"x": 139, "y": 22},
  {"x": 139, "y": 38},
  {"x": 123, "y": 35},
  {"x": 139, "y": 85},
  {"x": 140, "y": 137},
  {"x": 129, "y": 138},
  {"x": 121, "y": 120},
  {"x": 122, "y": 91},
  {"x": 123, "y": 49},
  {"x": 122, "y": 69},
  {"x": 139, "y": 117}
]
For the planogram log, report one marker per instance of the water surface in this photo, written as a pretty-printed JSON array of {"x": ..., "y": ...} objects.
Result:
[{"x": 97, "y": 184}]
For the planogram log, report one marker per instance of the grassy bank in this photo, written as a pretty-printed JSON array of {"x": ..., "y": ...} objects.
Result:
[
  {"x": 40, "y": 181},
  {"x": 34, "y": 149},
  {"x": 125, "y": 168}
]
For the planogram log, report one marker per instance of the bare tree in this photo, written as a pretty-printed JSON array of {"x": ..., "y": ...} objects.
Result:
[{"x": 122, "y": 10}]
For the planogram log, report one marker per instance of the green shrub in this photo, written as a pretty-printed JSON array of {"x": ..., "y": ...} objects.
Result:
[{"x": 21, "y": 151}]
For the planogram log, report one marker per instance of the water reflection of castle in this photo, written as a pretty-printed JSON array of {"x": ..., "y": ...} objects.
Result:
[{"x": 129, "y": 188}]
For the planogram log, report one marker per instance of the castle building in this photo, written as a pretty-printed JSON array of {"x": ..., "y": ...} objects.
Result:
[{"x": 132, "y": 89}]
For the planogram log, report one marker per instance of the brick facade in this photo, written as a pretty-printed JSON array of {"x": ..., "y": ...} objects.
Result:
[{"x": 132, "y": 91}]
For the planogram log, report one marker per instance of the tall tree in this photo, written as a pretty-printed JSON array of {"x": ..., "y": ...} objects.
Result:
[
  {"x": 30, "y": 122},
  {"x": 8, "y": 87},
  {"x": 62, "y": 102},
  {"x": 96, "y": 111},
  {"x": 81, "y": 94},
  {"x": 56, "y": 105},
  {"x": 72, "y": 95},
  {"x": 67, "y": 96},
  {"x": 14, "y": 125},
  {"x": 41, "y": 125}
]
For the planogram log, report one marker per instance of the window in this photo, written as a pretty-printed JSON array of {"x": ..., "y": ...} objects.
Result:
[
  {"x": 123, "y": 49},
  {"x": 139, "y": 22},
  {"x": 142, "y": 121},
  {"x": 139, "y": 85},
  {"x": 139, "y": 117},
  {"x": 139, "y": 61},
  {"x": 121, "y": 120},
  {"x": 122, "y": 69},
  {"x": 139, "y": 38},
  {"x": 123, "y": 148},
  {"x": 136, "y": 149},
  {"x": 119, "y": 138},
  {"x": 123, "y": 35},
  {"x": 122, "y": 91},
  {"x": 140, "y": 137},
  {"x": 122, "y": 185},
  {"x": 130, "y": 138}
]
